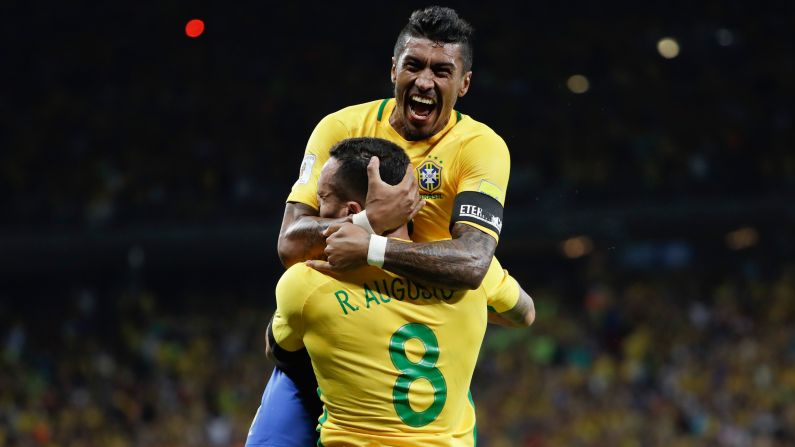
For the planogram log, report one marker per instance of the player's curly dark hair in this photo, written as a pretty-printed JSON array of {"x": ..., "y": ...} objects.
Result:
[
  {"x": 439, "y": 24},
  {"x": 353, "y": 155}
]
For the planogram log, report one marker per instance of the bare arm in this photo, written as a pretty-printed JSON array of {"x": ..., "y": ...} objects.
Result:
[
  {"x": 301, "y": 235},
  {"x": 268, "y": 347},
  {"x": 522, "y": 315},
  {"x": 459, "y": 263}
]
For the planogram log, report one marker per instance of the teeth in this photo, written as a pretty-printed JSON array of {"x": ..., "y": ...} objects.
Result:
[{"x": 423, "y": 100}]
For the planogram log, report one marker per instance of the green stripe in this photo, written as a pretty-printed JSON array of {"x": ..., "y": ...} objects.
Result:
[
  {"x": 475, "y": 429},
  {"x": 457, "y": 116},
  {"x": 491, "y": 309},
  {"x": 324, "y": 417},
  {"x": 381, "y": 108},
  {"x": 321, "y": 420}
]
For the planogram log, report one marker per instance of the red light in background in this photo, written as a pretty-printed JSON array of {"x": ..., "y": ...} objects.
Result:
[{"x": 194, "y": 28}]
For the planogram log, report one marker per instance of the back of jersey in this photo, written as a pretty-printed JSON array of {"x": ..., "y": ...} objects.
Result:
[{"x": 394, "y": 360}]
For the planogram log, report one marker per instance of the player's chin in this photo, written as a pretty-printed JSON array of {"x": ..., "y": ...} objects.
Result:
[
  {"x": 420, "y": 132},
  {"x": 424, "y": 127}
]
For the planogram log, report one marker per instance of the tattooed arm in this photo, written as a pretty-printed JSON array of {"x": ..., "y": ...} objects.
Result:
[
  {"x": 459, "y": 263},
  {"x": 301, "y": 235}
]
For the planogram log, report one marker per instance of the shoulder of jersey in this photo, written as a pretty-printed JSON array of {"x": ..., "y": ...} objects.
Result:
[
  {"x": 471, "y": 127},
  {"x": 305, "y": 275}
]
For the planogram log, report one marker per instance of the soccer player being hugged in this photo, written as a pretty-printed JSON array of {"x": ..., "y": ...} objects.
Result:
[
  {"x": 393, "y": 358},
  {"x": 453, "y": 193}
]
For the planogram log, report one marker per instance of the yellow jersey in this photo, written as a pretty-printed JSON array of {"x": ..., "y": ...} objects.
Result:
[
  {"x": 464, "y": 157},
  {"x": 393, "y": 359}
]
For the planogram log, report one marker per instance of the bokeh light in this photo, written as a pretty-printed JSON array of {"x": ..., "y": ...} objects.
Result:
[
  {"x": 194, "y": 28},
  {"x": 577, "y": 247},
  {"x": 578, "y": 84},
  {"x": 742, "y": 238},
  {"x": 668, "y": 47}
]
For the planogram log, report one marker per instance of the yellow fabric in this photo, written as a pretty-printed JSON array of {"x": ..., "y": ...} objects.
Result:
[
  {"x": 472, "y": 157},
  {"x": 347, "y": 322},
  {"x": 466, "y": 152}
]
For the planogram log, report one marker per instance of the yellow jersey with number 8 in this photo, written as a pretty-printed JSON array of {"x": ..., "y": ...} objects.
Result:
[{"x": 393, "y": 359}]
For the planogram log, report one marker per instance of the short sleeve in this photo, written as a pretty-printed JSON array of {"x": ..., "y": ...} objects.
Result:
[
  {"x": 291, "y": 295},
  {"x": 328, "y": 132},
  {"x": 484, "y": 168},
  {"x": 502, "y": 290}
]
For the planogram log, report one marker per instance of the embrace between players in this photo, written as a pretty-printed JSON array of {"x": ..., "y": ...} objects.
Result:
[{"x": 376, "y": 336}]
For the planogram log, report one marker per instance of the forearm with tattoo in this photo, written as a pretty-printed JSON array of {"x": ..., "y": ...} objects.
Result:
[
  {"x": 459, "y": 263},
  {"x": 301, "y": 236}
]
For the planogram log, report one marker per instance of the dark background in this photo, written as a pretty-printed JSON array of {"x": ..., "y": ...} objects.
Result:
[{"x": 143, "y": 175}]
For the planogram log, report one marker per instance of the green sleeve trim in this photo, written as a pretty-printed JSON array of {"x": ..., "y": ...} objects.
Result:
[
  {"x": 381, "y": 108},
  {"x": 491, "y": 309},
  {"x": 475, "y": 428}
]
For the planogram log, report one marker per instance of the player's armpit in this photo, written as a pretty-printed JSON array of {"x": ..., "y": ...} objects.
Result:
[
  {"x": 459, "y": 263},
  {"x": 297, "y": 365},
  {"x": 301, "y": 235},
  {"x": 522, "y": 315}
]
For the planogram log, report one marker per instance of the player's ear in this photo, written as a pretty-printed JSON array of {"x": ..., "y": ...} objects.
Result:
[
  {"x": 354, "y": 207},
  {"x": 393, "y": 70},
  {"x": 465, "y": 84}
]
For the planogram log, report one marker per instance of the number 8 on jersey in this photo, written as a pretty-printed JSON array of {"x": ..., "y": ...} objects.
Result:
[{"x": 424, "y": 369}]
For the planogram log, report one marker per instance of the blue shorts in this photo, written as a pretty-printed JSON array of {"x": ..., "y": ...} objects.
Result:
[{"x": 286, "y": 417}]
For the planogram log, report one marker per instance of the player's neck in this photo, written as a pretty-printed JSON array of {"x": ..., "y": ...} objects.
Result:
[{"x": 400, "y": 233}]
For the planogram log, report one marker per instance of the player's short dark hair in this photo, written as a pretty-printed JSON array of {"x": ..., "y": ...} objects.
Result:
[
  {"x": 353, "y": 155},
  {"x": 439, "y": 24}
]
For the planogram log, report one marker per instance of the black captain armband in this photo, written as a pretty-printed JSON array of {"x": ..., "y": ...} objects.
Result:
[{"x": 478, "y": 208}]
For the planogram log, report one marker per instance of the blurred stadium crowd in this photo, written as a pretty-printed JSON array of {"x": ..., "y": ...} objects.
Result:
[
  {"x": 632, "y": 360},
  {"x": 643, "y": 338}
]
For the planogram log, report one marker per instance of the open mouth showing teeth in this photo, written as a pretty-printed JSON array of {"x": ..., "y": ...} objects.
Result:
[{"x": 422, "y": 106}]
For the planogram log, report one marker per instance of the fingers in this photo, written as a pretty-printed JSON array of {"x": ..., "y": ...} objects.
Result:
[
  {"x": 417, "y": 209},
  {"x": 373, "y": 174},
  {"x": 332, "y": 228},
  {"x": 321, "y": 266},
  {"x": 408, "y": 179}
]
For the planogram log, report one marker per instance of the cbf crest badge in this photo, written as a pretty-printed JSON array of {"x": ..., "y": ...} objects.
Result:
[{"x": 429, "y": 176}]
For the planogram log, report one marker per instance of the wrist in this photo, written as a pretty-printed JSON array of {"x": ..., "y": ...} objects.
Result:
[
  {"x": 377, "y": 250},
  {"x": 363, "y": 221}
]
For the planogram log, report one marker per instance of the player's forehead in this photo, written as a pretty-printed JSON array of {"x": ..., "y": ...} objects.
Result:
[
  {"x": 423, "y": 49},
  {"x": 327, "y": 174}
]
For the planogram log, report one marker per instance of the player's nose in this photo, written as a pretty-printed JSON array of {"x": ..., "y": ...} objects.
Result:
[{"x": 424, "y": 80}]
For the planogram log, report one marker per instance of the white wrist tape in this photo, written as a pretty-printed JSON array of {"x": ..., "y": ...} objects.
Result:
[
  {"x": 377, "y": 250},
  {"x": 361, "y": 220}
]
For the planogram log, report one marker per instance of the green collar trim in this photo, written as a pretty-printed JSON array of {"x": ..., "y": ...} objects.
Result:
[{"x": 381, "y": 108}]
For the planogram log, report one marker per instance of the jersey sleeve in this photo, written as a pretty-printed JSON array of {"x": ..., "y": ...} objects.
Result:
[
  {"x": 328, "y": 132},
  {"x": 484, "y": 169},
  {"x": 291, "y": 295},
  {"x": 502, "y": 290}
]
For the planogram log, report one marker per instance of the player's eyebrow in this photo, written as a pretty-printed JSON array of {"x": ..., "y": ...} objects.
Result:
[
  {"x": 443, "y": 65},
  {"x": 412, "y": 60}
]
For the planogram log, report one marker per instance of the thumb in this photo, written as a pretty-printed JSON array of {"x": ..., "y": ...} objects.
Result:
[
  {"x": 333, "y": 228},
  {"x": 373, "y": 174},
  {"x": 321, "y": 266}
]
